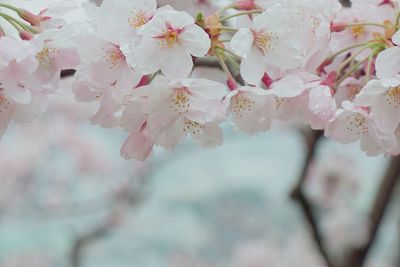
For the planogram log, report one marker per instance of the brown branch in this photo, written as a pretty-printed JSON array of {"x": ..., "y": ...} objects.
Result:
[
  {"x": 358, "y": 256},
  {"x": 312, "y": 140},
  {"x": 84, "y": 240}
]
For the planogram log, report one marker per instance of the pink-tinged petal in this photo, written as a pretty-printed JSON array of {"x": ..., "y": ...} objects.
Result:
[
  {"x": 6, "y": 112},
  {"x": 147, "y": 56},
  {"x": 369, "y": 94},
  {"x": 209, "y": 136},
  {"x": 251, "y": 109},
  {"x": 388, "y": 66},
  {"x": 322, "y": 103},
  {"x": 84, "y": 92},
  {"x": 176, "y": 63},
  {"x": 172, "y": 135},
  {"x": 178, "y": 19},
  {"x": 133, "y": 118},
  {"x": 26, "y": 113},
  {"x": 253, "y": 66},
  {"x": 348, "y": 125},
  {"x": 386, "y": 112},
  {"x": 396, "y": 38},
  {"x": 370, "y": 146},
  {"x": 289, "y": 86},
  {"x": 242, "y": 42},
  {"x": 195, "y": 40},
  {"x": 66, "y": 58},
  {"x": 205, "y": 89},
  {"x": 106, "y": 114},
  {"x": 137, "y": 146}
]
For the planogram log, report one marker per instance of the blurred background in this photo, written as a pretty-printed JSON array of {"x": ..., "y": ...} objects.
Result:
[{"x": 68, "y": 199}]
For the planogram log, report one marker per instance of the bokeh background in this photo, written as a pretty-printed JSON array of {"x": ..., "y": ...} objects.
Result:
[{"x": 68, "y": 199}]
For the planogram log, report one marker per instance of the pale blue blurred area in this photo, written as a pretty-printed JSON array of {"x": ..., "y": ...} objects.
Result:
[{"x": 195, "y": 204}]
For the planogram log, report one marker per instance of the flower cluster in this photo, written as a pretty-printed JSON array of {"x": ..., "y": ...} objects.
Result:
[
  {"x": 331, "y": 67},
  {"x": 30, "y": 66}
]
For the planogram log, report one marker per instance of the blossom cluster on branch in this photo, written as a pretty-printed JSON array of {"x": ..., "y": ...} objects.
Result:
[{"x": 333, "y": 68}]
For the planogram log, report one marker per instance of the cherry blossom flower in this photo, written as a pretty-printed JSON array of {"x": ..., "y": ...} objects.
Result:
[
  {"x": 57, "y": 53},
  {"x": 384, "y": 103},
  {"x": 269, "y": 40},
  {"x": 104, "y": 76},
  {"x": 352, "y": 123},
  {"x": 359, "y": 13},
  {"x": 303, "y": 97},
  {"x": 169, "y": 40},
  {"x": 251, "y": 109},
  {"x": 17, "y": 63},
  {"x": 119, "y": 21},
  {"x": 176, "y": 109},
  {"x": 139, "y": 144},
  {"x": 388, "y": 63}
]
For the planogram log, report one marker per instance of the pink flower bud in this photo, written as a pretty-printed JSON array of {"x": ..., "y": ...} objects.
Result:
[
  {"x": 33, "y": 19},
  {"x": 144, "y": 81},
  {"x": 338, "y": 27},
  {"x": 386, "y": 2},
  {"x": 245, "y": 5},
  {"x": 267, "y": 80},
  {"x": 232, "y": 85},
  {"x": 24, "y": 35}
]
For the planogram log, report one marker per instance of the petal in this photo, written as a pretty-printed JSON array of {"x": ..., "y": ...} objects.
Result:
[
  {"x": 133, "y": 118},
  {"x": 396, "y": 38},
  {"x": 253, "y": 66},
  {"x": 386, "y": 113},
  {"x": 147, "y": 56},
  {"x": 368, "y": 95},
  {"x": 242, "y": 42},
  {"x": 137, "y": 146},
  {"x": 196, "y": 41},
  {"x": 176, "y": 62},
  {"x": 388, "y": 66},
  {"x": 209, "y": 136}
]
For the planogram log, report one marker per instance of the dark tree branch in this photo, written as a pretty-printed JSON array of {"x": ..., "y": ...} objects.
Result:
[
  {"x": 84, "y": 240},
  {"x": 358, "y": 256},
  {"x": 312, "y": 139}
]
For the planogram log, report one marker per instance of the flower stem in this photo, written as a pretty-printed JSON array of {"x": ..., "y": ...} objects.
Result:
[
  {"x": 13, "y": 8},
  {"x": 350, "y": 72},
  {"x": 365, "y": 24},
  {"x": 241, "y": 14},
  {"x": 345, "y": 50},
  {"x": 14, "y": 22},
  {"x": 227, "y": 51},
  {"x": 348, "y": 60},
  {"x": 225, "y": 8},
  {"x": 223, "y": 64},
  {"x": 397, "y": 20},
  {"x": 369, "y": 66},
  {"x": 224, "y": 28}
]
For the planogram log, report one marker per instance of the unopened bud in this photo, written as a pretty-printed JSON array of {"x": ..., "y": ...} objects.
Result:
[
  {"x": 144, "y": 81},
  {"x": 232, "y": 84},
  {"x": 267, "y": 80},
  {"x": 245, "y": 5},
  {"x": 338, "y": 27},
  {"x": 24, "y": 35}
]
